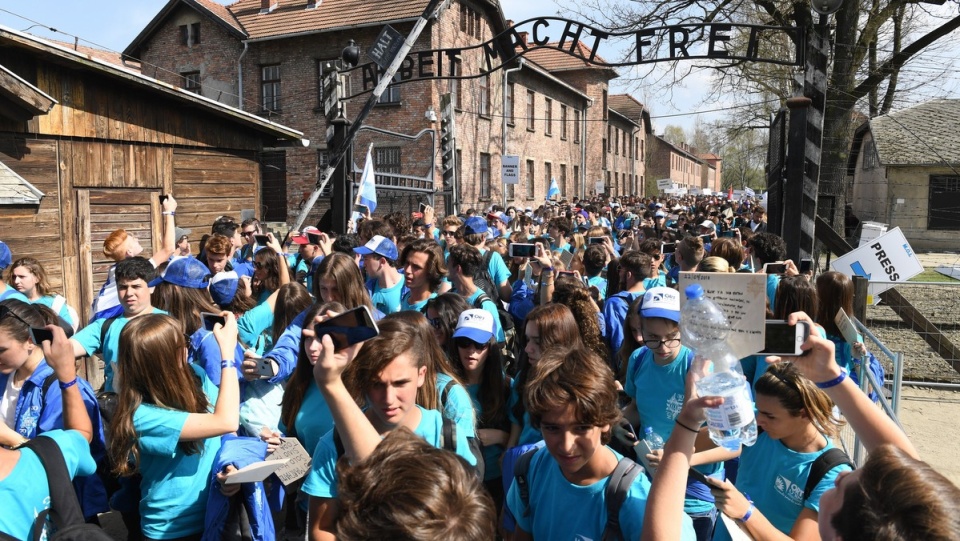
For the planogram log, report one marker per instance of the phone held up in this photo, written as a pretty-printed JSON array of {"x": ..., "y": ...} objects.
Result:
[
  {"x": 349, "y": 328},
  {"x": 210, "y": 320},
  {"x": 784, "y": 339},
  {"x": 518, "y": 249}
]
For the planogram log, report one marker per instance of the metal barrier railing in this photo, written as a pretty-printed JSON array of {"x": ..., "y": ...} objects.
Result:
[{"x": 868, "y": 383}]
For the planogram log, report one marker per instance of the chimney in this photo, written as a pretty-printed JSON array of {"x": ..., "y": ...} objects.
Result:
[
  {"x": 524, "y": 36},
  {"x": 312, "y": 4},
  {"x": 266, "y": 6}
]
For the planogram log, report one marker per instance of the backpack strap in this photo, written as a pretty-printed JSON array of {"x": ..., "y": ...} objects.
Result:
[
  {"x": 338, "y": 443},
  {"x": 445, "y": 393},
  {"x": 487, "y": 257},
  {"x": 829, "y": 460},
  {"x": 615, "y": 494},
  {"x": 57, "y": 305},
  {"x": 64, "y": 508},
  {"x": 481, "y": 298},
  {"x": 520, "y": 469},
  {"x": 103, "y": 331},
  {"x": 47, "y": 382},
  {"x": 449, "y": 435}
]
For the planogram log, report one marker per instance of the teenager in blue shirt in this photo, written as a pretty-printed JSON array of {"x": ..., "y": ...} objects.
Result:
[
  {"x": 385, "y": 284},
  {"x": 424, "y": 270},
  {"x": 6, "y": 290},
  {"x": 634, "y": 266},
  {"x": 463, "y": 263},
  {"x": 28, "y": 277},
  {"x": 24, "y": 491},
  {"x": 388, "y": 373},
  {"x": 572, "y": 399},
  {"x": 164, "y": 427}
]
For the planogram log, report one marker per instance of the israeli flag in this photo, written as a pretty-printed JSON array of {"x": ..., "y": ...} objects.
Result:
[
  {"x": 367, "y": 195},
  {"x": 554, "y": 189},
  {"x": 749, "y": 192}
]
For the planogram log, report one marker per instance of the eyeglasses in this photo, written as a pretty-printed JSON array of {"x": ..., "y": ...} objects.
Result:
[
  {"x": 435, "y": 322},
  {"x": 669, "y": 342},
  {"x": 449, "y": 233},
  {"x": 247, "y": 233},
  {"x": 465, "y": 343}
]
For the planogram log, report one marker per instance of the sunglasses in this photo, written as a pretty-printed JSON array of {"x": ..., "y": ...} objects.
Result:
[
  {"x": 258, "y": 265},
  {"x": 449, "y": 233},
  {"x": 247, "y": 233},
  {"x": 466, "y": 343},
  {"x": 435, "y": 322}
]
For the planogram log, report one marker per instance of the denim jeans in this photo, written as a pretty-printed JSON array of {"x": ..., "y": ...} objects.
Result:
[{"x": 704, "y": 523}]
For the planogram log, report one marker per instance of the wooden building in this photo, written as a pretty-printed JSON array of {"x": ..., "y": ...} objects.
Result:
[{"x": 98, "y": 143}]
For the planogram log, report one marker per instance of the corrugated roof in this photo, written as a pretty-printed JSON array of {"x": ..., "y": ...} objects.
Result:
[
  {"x": 925, "y": 134},
  {"x": 15, "y": 190},
  {"x": 112, "y": 57},
  {"x": 293, "y": 17},
  {"x": 551, "y": 58}
]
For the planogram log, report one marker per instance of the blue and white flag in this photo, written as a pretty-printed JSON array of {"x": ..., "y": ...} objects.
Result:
[
  {"x": 554, "y": 189},
  {"x": 367, "y": 196},
  {"x": 749, "y": 192}
]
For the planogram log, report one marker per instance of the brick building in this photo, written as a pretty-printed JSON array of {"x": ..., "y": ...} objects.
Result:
[
  {"x": 679, "y": 163},
  {"x": 267, "y": 57}
]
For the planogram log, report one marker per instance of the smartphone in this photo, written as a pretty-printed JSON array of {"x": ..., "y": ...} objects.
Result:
[
  {"x": 38, "y": 335},
  {"x": 566, "y": 273},
  {"x": 423, "y": 208},
  {"x": 566, "y": 257},
  {"x": 162, "y": 198},
  {"x": 706, "y": 238},
  {"x": 518, "y": 249},
  {"x": 594, "y": 240},
  {"x": 778, "y": 267},
  {"x": 730, "y": 233},
  {"x": 668, "y": 247},
  {"x": 262, "y": 240},
  {"x": 783, "y": 339},
  {"x": 806, "y": 265},
  {"x": 697, "y": 476},
  {"x": 211, "y": 319},
  {"x": 265, "y": 367},
  {"x": 351, "y": 327},
  {"x": 362, "y": 209},
  {"x": 313, "y": 238}
]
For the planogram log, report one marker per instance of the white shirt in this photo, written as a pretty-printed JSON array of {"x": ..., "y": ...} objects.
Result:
[{"x": 8, "y": 404}]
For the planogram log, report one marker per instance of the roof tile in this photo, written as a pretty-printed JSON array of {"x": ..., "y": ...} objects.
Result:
[
  {"x": 222, "y": 12},
  {"x": 925, "y": 134},
  {"x": 292, "y": 16},
  {"x": 551, "y": 58}
]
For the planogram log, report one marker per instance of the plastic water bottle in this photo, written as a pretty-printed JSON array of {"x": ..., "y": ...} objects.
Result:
[
  {"x": 705, "y": 328},
  {"x": 653, "y": 440}
]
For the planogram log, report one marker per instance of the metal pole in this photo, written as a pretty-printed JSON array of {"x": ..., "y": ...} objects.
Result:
[
  {"x": 897, "y": 383},
  {"x": 506, "y": 82},
  {"x": 432, "y": 9}
]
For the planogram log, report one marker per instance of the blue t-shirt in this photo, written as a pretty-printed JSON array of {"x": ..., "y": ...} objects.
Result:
[
  {"x": 89, "y": 339},
  {"x": 65, "y": 312},
  {"x": 417, "y": 306},
  {"x": 774, "y": 477},
  {"x": 497, "y": 268},
  {"x": 600, "y": 283},
  {"x": 175, "y": 484},
  {"x": 313, "y": 419},
  {"x": 24, "y": 492},
  {"x": 658, "y": 392},
  {"x": 490, "y": 307},
  {"x": 253, "y": 328},
  {"x": 660, "y": 280},
  {"x": 491, "y": 453},
  {"x": 560, "y": 509},
  {"x": 458, "y": 406},
  {"x": 615, "y": 320},
  {"x": 387, "y": 300},
  {"x": 773, "y": 282},
  {"x": 321, "y": 480},
  {"x": 11, "y": 293}
]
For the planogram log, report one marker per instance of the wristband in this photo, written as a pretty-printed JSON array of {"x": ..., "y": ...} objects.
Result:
[
  {"x": 428, "y": 226},
  {"x": 685, "y": 426},
  {"x": 228, "y": 363},
  {"x": 546, "y": 269},
  {"x": 749, "y": 513},
  {"x": 833, "y": 382},
  {"x": 171, "y": 213},
  {"x": 67, "y": 385}
]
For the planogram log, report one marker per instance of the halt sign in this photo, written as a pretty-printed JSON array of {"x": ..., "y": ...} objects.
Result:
[
  {"x": 887, "y": 258},
  {"x": 510, "y": 169}
]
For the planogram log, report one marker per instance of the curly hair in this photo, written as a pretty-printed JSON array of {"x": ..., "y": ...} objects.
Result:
[{"x": 571, "y": 293}]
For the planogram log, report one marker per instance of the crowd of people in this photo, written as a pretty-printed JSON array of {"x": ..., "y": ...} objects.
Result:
[{"x": 507, "y": 359}]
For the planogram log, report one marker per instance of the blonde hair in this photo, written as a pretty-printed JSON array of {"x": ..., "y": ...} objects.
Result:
[{"x": 714, "y": 264}]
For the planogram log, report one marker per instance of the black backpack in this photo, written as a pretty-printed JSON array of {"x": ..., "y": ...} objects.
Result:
[
  {"x": 614, "y": 495},
  {"x": 476, "y": 449},
  {"x": 824, "y": 463},
  {"x": 64, "y": 509},
  {"x": 484, "y": 281}
]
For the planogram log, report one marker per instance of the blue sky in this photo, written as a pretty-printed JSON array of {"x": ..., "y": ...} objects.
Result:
[{"x": 112, "y": 24}]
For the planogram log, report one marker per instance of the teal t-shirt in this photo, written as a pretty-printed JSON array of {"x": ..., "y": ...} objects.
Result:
[
  {"x": 321, "y": 480},
  {"x": 491, "y": 453},
  {"x": 490, "y": 307},
  {"x": 499, "y": 272},
  {"x": 314, "y": 419},
  {"x": 254, "y": 326},
  {"x": 417, "y": 306},
  {"x": 89, "y": 339},
  {"x": 65, "y": 313},
  {"x": 658, "y": 392},
  {"x": 387, "y": 300},
  {"x": 600, "y": 283},
  {"x": 11, "y": 293},
  {"x": 774, "y": 477},
  {"x": 560, "y": 509},
  {"x": 24, "y": 492},
  {"x": 528, "y": 434},
  {"x": 660, "y": 280},
  {"x": 175, "y": 485}
]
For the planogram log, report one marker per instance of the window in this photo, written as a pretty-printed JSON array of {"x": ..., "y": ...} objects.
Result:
[
  {"x": 323, "y": 159},
  {"x": 530, "y": 110},
  {"x": 562, "y": 184},
  {"x": 273, "y": 186},
  {"x": 191, "y": 81},
  {"x": 944, "y": 202},
  {"x": 870, "y": 160},
  {"x": 548, "y": 116},
  {"x": 511, "y": 192},
  {"x": 459, "y": 176},
  {"x": 386, "y": 160},
  {"x": 609, "y": 137},
  {"x": 604, "y": 109},
  {"x": 484, "y": 176},
  {"x": 603, "y": 152},
  {"x": 270, "y": 88},
  {"x": 508, "y": 105},
  {"x": 484, "y": 105},
  {"x": 190, "y": 34},
  {"x": 616, "y": 141},
  {"x": 470, "y": 21},
  {"x": 456, "y": 86},
  {"x": 576, "y": 181},
  {"x": 576, "y": 126},
  {"x": 563, "y": 122},
  {"x": 629, "y": 147},
  {"x": 547, "y": 174},
  {"x": 391, "y": 96},
  {"x": 531, "y": 189}
]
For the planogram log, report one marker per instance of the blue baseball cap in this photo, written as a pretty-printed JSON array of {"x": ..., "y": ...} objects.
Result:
[
  {"x": 661, "y": 302},
  {"x": 187, "y": 272},
  {"x": 475, "y": 324},
  {"x": 475, "y": 226},
  {"x": 6, "y": 258},
  {"x": 379, "y": 245},
  {"x": 223, "y": 287}
]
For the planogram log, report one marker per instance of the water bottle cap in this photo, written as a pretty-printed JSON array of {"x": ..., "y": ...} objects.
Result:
[
  {"x": 693, "y": 291},
  {"x": 647, "y": 430}
]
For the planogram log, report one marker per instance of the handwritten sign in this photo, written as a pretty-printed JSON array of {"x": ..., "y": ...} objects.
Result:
[
  {"x": 298, "y": 461},
  {"x": 847, "y": 329},
  {"x": 742, "y": 297}
]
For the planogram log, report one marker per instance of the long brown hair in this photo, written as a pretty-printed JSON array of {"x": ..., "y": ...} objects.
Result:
[
  {"x": 269, "y": 261},
  {"x": 898, "y": 498},
  {"x": 302, "y": 376},
  {"x": 799, "y": 396},
  {"x": 558, "y": 329},
  {"x": 291, "y": 300},
  {"x": 343, "y": 270},
  {"x": 795, "y": 294},
  {"x": 36, "y": 269},
  {"x": 835, "y": 292},
  {"x": 152, "y": 369},
  {"x": 183, "y": 303}
]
